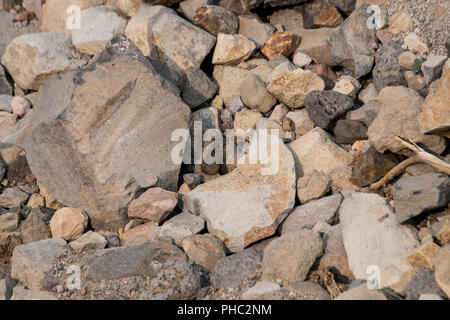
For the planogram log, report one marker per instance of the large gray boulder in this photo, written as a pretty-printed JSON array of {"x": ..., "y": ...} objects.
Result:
[
  {"x": 101, "y": 134},
  {"x": 8, "y": 31}
]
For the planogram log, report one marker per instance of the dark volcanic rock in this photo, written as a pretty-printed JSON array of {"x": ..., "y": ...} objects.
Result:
[
  {"x": 349, "y": 131},
  {"x": 387, "y": 71}
]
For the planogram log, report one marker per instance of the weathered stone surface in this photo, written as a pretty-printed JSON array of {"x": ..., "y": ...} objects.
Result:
[
  {"x": 32, "y": 59},
  {"x": 260, "y": 289},
  {"x": 110, "y": 168},
  {"x": 291, "y": 256},
  {"x": 353, "y": 44},
  {"x": 400, "y": 121},
  {"x": 8, "y": 241},
  {"x": 292, "y": 87},
  {"x": 308, "y": 215},
  {"x": 366, "y": 113},
  {"x": 444, "y": 233},
  {"x": 99, "y": 25},
  {"x": 204, "y": 250},
  {"x": 68, "y": 223},
  {"x": 321, "y": 14},
  {"x": 290, "y": 19},
  {"x": 232, "y": 49},
  {"x": 215, "y": 20},
  {"x": 442, "y": 269},
  {"x": 155, "y": 204},
  {"x": 88, "y": 241},
  {"x": 347, "y": 85},
  {"x": 432, "y": 68},
  {"x": 5, "y": 86},
  {"x": 246, "y": 120},
  {"x": 198, "y": 87},
  {"x": 317, "y": 151},
  {"x": 255, "y": 30},
  {"x": 435, "y": 115},
  {"x": 23, "y": 294},
  {"x": 423, "y": 282},
  {"x": 314, "y": 44},
  {"x": 255, "y": 95},
  {"x": 189, "y": 7},
  {"x": 224, "y": 273},
  {"x": 138, "y": 235},
  {"x": 372, "y": 236},
  {"x": 31, "y": 262},
  {"x": 413, "y": 42},
  {"x": 423, "y": 256},
  {"x": 128, "y": 8},
  {"x": 280, "y": 44},
  {"x": 256, "y": 195},
  {"x": 349, "y": 131},
  {"x": 301, "y": 120},
  {"x": 9, "y": 221},
  {"x": 13, "y": 198},
  {"x": 230, "y": 79},
  {"x": 387, "y": 71},
  {"x": 361, "y": 292},
  {"x": 415, "y": 195},
  {"x": 8, "y": 30},
  {"x": 368, "y": 93},
  {"x": 344, "y": 5},
  {"x": 312, "y": 186},
  {"x": 400, "y": 22},
  {"x": 406, "y": 60}
]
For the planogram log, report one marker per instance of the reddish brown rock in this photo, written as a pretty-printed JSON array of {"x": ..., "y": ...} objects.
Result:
[
  {"x": 153, "y": 205},
  {"x": 280, "y": 44}
]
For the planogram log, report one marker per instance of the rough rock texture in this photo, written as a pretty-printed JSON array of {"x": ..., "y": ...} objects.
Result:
[
  {"x": 314, "y": 44},
  {"x": 312, "y": 186},
  {"x": 9, "y": 221},
  {"x": 8, "y": 241},
  {"x": 400, "y": 121},
  {"x": 353, "y": 44},
  {"x": 8, "y": 30},
  {"x": 432, "y": 68},
  {"x": 321, "y": 13},
  {"x": 361, "y": 292},
  {"x": 349, "y": 131},
  {"x": 415, "y": 195},
  {"x": 423, "y": 282},
  {"x": 22, "y": 294},
  {"x": 256, "y": 195},
  {"x": 215, "y": 20},
  {"x": 290, "y": 19},
  {"x": 291, "y": 256},
  {"x": 372, "y": 236},
  {"x": 232, "y": 49},
  {"x": 366, "y": 113},
  {"x": 255, "y": 30},
  {"x": 387, "y": 71},
  {"x": 204, "y": 250},
  {"x": 153, "y": 205},
  {"x": 68, "y": 223},
  {"x": 280, "y": 44},
  {"x": 31, "y": 262},
  {"x": 5, "y": 86},
  {"x": 255, "y": 95},
  {"x": 100, "y": 171},
  {"x": 88, "y": 241},
  {"x": 442, "y": 269}
]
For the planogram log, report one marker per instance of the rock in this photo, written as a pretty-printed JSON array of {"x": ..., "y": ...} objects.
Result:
[
  {"x": 50, "y": 200},
  {"x": 193, "y": 180},
  {"x": 224, "y": 274},
  {"x": 406, "y": 60},
  {"x": 255, "y": 95},
  {"x": 423, "y": 282},
  {"x": 307, "y": 290},
  {"x": 354, "y": 51},
  {"x": 292, "y": 87},
  {"x": 400, "y": 22},
  {"x": 68, "y": 223},
  {"x": 128, "y": 8},
  {"x": 278, "y": 113},
  {"x": 31, "y": 262},
  {"x": 204, "y": 250},
  {"x": 308, "y": 215},
  {"x": 256, "y": 195},
  {"x": 324, "y": 107},
  {"x": 5, "y": 86},
  {"x": 9, "y": 31},
  {"x": 215, "y": 20},
  {"x": 280, "y": 44},
  {"x": 9, "y": 222},
  {"x": 415, "y": 81},
  {"x": 372, "y": 165},
  {"x": 198, "y": 87},
  {"x": 321, "y": 14},
  {"x": 429, "y": 296},
  {"x": 138, "y": 235},
  {"x": 230, "y": 80},
  {"x": 189, "y": 7},
  {"x": 255, "y": 30},
  {"x": 347, "y": 85},
  {"x": 23, "y": 294},
  {"x": 313, "y": 186},
  {"x": 373, "y": 237},
  {"x": 246, "y": 120},
  {"x": 344, "y": 5},
  {"x": 387, "y": 71},
  {"x": 99, "y": 25},
  {"x": 361, "y": 292},
  {"x": 314, "y": 44},
  {"x": 291, "y": 256},
  {"x": 423, "y": 256},
  {"x": 36, "y": 225},
  {"x": 88, "y": 241},
  {"x": 239, "y": 7},
  {"x": 349, "y": 131},
  {"x": 105, "y": 187},
  {"x": 301, "y": 59},
  {"x": 301, "y": 120},
  {"x": 20, "y": 106},
  {"x": 260, "y": 289},
  {"x": 435, "y": 115},
  {"x": 232, "y": 49},
  {"x": 442, "y": 269},
  {"x": 271, "y": 127},
  {"x": 146, "y": 259},
  {"x": 55, "y": 13},
  {"x": 366, "y": 113},
  {"x": 153, "y": 205},
  {"x": 32, "y": 59},
  {"x": 400, "y": 121},
  {"x": 444, "y": 233},
  {"x": 415, "y": 195},
  {"x": 415, "y": 44},
  {"x": 369, "y": 93},
  {"x": 432, "y": 68},
  {"x": 290, "y": 19},
  {"x": 13, "y": 198},
  {"x": 8, "y": 241}
]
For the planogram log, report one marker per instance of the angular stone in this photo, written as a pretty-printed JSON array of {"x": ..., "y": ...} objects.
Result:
[
  {"x": 8, "y": 241},
  {"x": 246, "y": 120},
  {"x": 314, "y": 44},
  {"x": 256, "y": 195},
  {"x": 400, "y": 22},
  {"x": 138, "y": 235},
  {"x": 344, "y": 5},
  {"x": 366, "y": 113},
  {"x": 301, "y": 120},
  {"x": 415, "y": 195},
  {"x": 442, "y": 269},
  {"x": 23, "y": 294},
  {"x": 444, "y": 233},
  {"x": 354, "y": 50},
  {"x": 31, "y": 262},
  {"x": 292, "y": 87},
  {"x": 260, "y": 289},
  {"x": 406, "y": 60},
  {"x": 13, "y": 198},
  {"x": 9, "y": 31},
  {"x": 204, "y": 250},
  {"x": 324, "y": 107},
  {"x": 5, "y": 86},
  {"x": 291, "y": 256},
  {"x": 188, "y": 7},
  {"x": 68, "y": 223},
  {"x": 99, "y": 25},
  {"x": 224, "y": 274},
  {"x": 215, "y": 20},
  {"x": 321, "y": 14},
  {"x": 280, "y": 44},
  {"x": 349, "y": 131},
  {"x": 368, "y": 93},
  {"x": 20, "y": 106},
  {"x": 308, "y": 215},
  {"x": 88, "y": 241},
  {"x": 361, "y": 292},
  {"x": 423, "y": 256},
  {"x": 432, "y": 68},
  {"x": 110, "y": 92},
  {"x": 232, "y": 49},
  {"x": 290, "y": 19},
  {"x": 32, "y": 59},
  {"x": 255, "y": 95},
  {"x": 347, "y": 85},
  {"x": 387, "y": 71},
  {"x": 155, "y": 204},
  {"x": 198, "y": 87},
  {"x": 9, "y": 222},
  {"x": 128, "y": 8},
  {"x": 423, "y": 282},
  {"x": 372, "y": 236},
  {"x": 301, "y": 59},
  {"x": 36, "y": 225},
  {"x": 400, "y": 121},
  {"x": 312, "y": 186},
  {"x": 255, "y": 30},
  {"x": 230, "y": 80},
  {"x": 415, "y": 44}
]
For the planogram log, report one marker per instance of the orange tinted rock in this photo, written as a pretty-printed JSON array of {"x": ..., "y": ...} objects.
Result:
[
  {"x": 153, "y": 205},
  {"x": 280, "y": 44}
]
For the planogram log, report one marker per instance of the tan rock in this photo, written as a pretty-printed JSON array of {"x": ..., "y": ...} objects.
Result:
[
  {"x": 246, "y": 120},
  {"x": 20, "y": 106},
  {"x": 153, "y": 205},
  {"x": 9, "y": 222},
  {"x": 204, "y": 250},
  {"x": 442, "y": 269},
  {"x": 415, "y": 44},
  {"x": 302, "y": 123},
  {"x": 8, "y": 241},
  {"x": 68, "y": 223},
  {"x": 88, "y": 241},
  {"x": 278, "y": 113},
  {"x": 400, "y": 22},
  {"x": 406, "y": 60},
  {"x": 314, "y": 44},
  {"x": 128, "y": 7},
  {"x": 36, "y": 200},
  {"x": 50, "y": 199},
  {"x": 444, "y": 233},
  {"x": 347, "y": 85},
  {"x": 312, "y": 186},
  {"x": 280, "y": 44},
  {"x": 424, "y": 255},
  {"x": 138, "y": 235},
  {"x": 232, "y": 49},
  {"x": 415, "y": 81}
]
